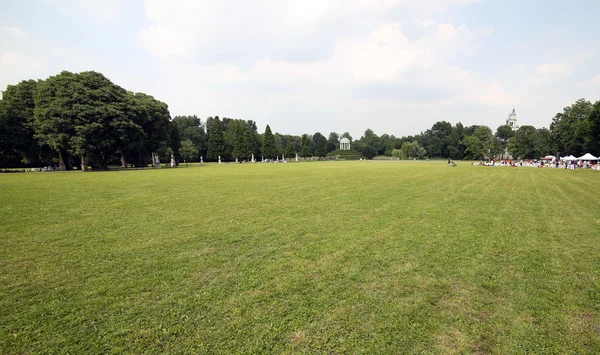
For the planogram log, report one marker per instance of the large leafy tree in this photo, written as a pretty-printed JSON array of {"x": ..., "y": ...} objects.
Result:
[
  {"x": 387, "y": 143},
  {"x": 572, "y": 128},
  {"x": 480, "y": 143},
  {"x": 153, "y": 117},
  {"x": 594, "y": 124},
  {"x": 192, "y": 128},
  {"x": 346, "y": 135},
  {"x": 17, "y": 142},
  {"x": 269, "y": 150},
  {"x": 55, "y": 121},
  {"x": 370, "y": 139},
  {"x": 333, "y": 142},
  {"x": 321, "y": 148},
  {"x": 101, "y": 120},
  {"x": 437, "y": 139},
  {"x": 522, "y": 144},
  {"x": 216, "y": 141},
  {"x": 543, "y": 143},
  {"x": 456, "y": 145},
  {"x": 502, "y": 136}
]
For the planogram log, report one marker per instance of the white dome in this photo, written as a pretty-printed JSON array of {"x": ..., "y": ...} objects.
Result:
[{"x": 344, "y": 140}]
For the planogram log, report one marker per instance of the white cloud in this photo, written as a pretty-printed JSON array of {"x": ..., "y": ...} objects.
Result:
[
  {"x": 106, "y": 10},
  {"x": 251, "y": 56},
  {"x": 547, "y": 73},
  {"x": 12, "y": 31},
  {"x": 16, "y": 66}
]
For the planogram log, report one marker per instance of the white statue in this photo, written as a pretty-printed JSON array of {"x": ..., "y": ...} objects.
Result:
[
  {"x": 254, "y": 161},
  {"x": 219, "y": 159},
  {"x": 201, "y": 161}
]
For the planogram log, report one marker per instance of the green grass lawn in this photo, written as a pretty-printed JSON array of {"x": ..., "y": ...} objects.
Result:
[{"x": 328, "y": 257}]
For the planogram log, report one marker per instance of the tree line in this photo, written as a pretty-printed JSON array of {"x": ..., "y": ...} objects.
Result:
[{"x": 80, "y": 119}]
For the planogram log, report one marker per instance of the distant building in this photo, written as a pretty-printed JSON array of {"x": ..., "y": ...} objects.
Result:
[
  {"x": 344, "y": 144},
  {"x": 512, "y": 120}
]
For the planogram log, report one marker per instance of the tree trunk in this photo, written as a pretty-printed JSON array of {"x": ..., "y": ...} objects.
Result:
[
  {"x": 61, "y": 162},
  {"x": 84, "y": 164},
  {"x": 123, "y": 162}
]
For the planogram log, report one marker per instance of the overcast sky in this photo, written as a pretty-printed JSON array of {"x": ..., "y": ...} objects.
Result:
[{"x": 395, "y": 66}]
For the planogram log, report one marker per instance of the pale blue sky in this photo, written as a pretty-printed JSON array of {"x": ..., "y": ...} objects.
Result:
[{"x": 395, "y": 66}]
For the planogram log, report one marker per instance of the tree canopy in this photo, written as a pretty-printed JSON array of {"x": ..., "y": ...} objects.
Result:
[{"x": 71, "y": 117}]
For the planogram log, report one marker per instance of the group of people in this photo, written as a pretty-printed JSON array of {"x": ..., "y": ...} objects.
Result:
[{"x": 560, "y": 164}]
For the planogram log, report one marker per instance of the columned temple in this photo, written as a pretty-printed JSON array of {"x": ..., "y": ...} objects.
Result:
[{"x": 344, "y": 144}]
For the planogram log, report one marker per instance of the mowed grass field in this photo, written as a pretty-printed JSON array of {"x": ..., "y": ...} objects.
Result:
[{"x": 328, "y": 257}]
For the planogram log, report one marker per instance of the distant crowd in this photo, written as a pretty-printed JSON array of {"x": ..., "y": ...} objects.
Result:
[{"x": 558, "y": 164}]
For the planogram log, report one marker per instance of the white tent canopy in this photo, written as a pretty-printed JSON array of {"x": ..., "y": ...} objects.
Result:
[
  {"x": 587, "y": 156},
  {"x": 569, "y": 158}
]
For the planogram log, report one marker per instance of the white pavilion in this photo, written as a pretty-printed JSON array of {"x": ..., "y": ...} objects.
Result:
[{"x": 344, "y": 144}]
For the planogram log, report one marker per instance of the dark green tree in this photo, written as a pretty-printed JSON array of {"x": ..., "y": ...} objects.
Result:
[
  {"x": 571, "y": 129},
  {"x": 369, "y": 152},
  {"x": 594, "y": 124},
  {"x": 522, "y": 144},
  {"x": 333, "y": 142},
  {"x": 192, "y": 128},
  {"x": 438, "y": 139},
  {"x": 175, "y": 140},
  {"x": 456, "y": 145},
  {"x": 543, "y": 143},
  {"x": 17, "y": 142},
  {"x": 306, "y": 149},
  {"x": 321, "y": 149},
  {"x": 291, "y": 149},
  {"x": 216, "y": 141},
  {"x": 242, "y": 150},
  {"x": 269, "y": 150},
  {"x": 503, "y": 134},
  {"x": 370, "y": 139},
  {"x": 55, "y": 122},
  {"x": 153, "y": 116},
  {"x": 480, "y": 143},
  {"x": 102, "y": 122}
]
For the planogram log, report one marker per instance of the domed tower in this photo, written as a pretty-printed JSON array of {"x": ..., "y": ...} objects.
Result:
[{"x": 512, "y": 120}]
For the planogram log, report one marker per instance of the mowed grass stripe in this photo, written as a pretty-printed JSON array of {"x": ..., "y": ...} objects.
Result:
[{"x": 346, "y": 257}]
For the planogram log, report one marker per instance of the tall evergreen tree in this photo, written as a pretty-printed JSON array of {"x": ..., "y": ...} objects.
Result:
[
  {"x": 269, "y": 150},
  {"x": 216, "y": 142},
  {"x": 241, "y": 149},
  {"x": 306, "y": 149}
]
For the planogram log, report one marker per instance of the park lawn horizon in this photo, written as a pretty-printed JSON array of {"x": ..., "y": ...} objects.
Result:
[{"x": 327, "y": 257}]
